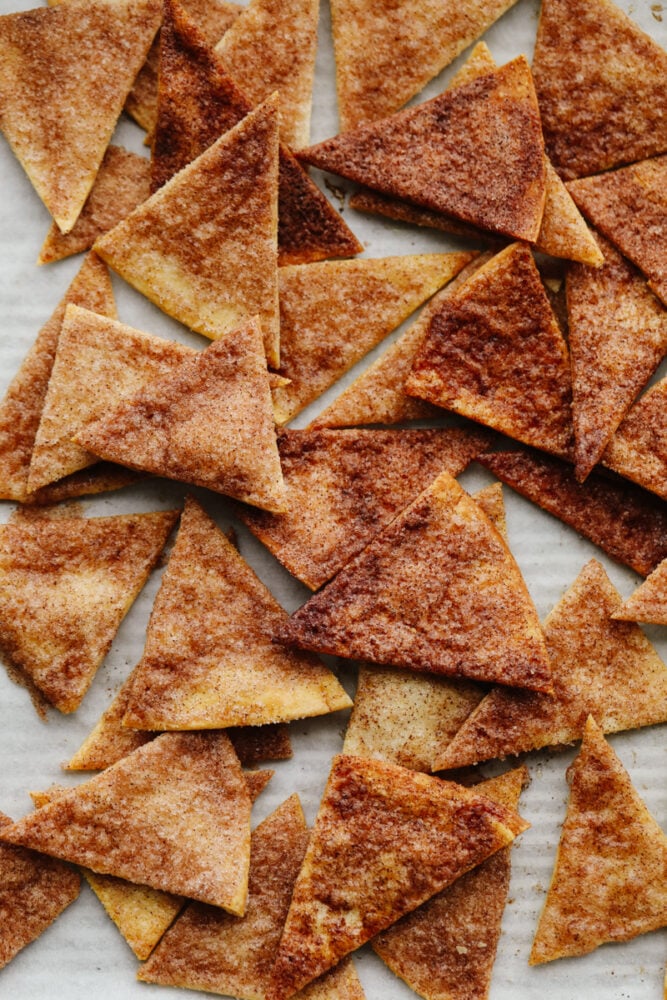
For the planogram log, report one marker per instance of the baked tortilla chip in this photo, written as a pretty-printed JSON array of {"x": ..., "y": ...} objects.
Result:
[
  {"x": 604, "y": 668},
  {"x": 210, "y": 423},
  {"x": 34, "y": 890},
  {"x": 638, "y": 450},
  {"x": 627, "y": 523},
  {"x": 494, "y": 352},
  {"x": 256, "y": 743},
  {"x": 203, "y": 247},
  {"x": 475, "y": 152},
  {"x": 630, "y": 207},
  {"x": 345, "y": 486},
  {"x": 59, "y": 122},
  {"x": 21, "y": 408},
  {"x": 271, "y": 47},
  {"x": 437, "y": 591},
  {"x": 385, "y": 840},
  {"x": 64, "y": 591},
  {"x": 618, "y": 337},
  {"x": 100, "y": 478},
  {"x": 648, "y": 603},
  {"x": 600, "y": 84},
  {"x": 447, "y": 947},
  {"x": 334, "y": 312},
  {"x": 173, "y": 815},
  {"x": 209, "y": 661},
  {"x": 608, "y": 882}
]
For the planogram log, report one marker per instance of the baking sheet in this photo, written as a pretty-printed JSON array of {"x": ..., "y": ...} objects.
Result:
[{"x": 82, "y": 954}]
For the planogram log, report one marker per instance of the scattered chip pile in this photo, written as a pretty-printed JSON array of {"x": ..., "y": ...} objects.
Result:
[{"x": 539, "y": 340}]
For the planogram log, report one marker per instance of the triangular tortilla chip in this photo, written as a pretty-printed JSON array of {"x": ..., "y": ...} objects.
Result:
[
  {"x": 257, "y": 743},
  {"x": 334, "y": 312},
  {"x": 98, "y": 362},
  {"x": 210, "y": 423},
  {"x": 173, "y": 815},
  {"x": 437, "y": 590},
  {"x": 339, "y": 983},
  {"x": 475, "y": 152},
  {"x": 121, "y": 184},
  {"x": 21, "y": 409},
  {"x": 271, "y": 47},
  {"x": 101, "y": 478},
  {"x": 604, "y": 668},
  {"x": 608, "y": 881},
  {"x": 59, "y": 123},
  {"x": 447, "y": 947},
  {"x": 648, "y": 603},
  {"x": 563, "y": 232},
  {"x": 628, "y": 523},
  {"x": 618, "y": 337},
  {"x": 600, "y": 83},
  {"x": 638, "y": 450},
  {"x": 64, "y": 592},
  {"x": 494, "y": 352},
  {"x": 630, "y": 207},
  {"x": 209, "y": 661},
  {"x": 345, "y": 486},
  {"x": 34, "y": 890},
  {"x": 387, "y": 53},
  {"x": 203, "y": 247},
  {"x": 385, "y": 840}
]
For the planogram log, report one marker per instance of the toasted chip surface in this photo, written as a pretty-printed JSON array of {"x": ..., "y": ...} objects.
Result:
[
  {"x": 140, "y": 913},
  {"x": 648, "y": 603},
  {"x": 637, "y": 450}
]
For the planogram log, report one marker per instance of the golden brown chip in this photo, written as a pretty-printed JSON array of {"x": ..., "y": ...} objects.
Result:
[
  {"x": 563, "y": 232},
  {"x": 629, "y": 524},
  {"x": 638, "y": 449},
  {"x": 59, "y": 122},
  {"x": 494, "y": 352},
  {"x": 345, "y": 486},
  {"x": 447, "y": 947},
  {"x": 334, "y": 312},
  {"x": 475, "y": 152},
  {"x": 100, "y": 478},
  {"x": 608, "y": 882},
  {"x": 339, "y": 983},
  {"x": 34, "y": 890},
  {"x": 210, "y": 423},
  {"x": 437, "y": 591},
  {"x": 173, "y": 815},
  {"x": 618, "y": 337},
  {"x": 604, "y": 668},
  {"x": 203, "y": 247},
  {"x": 600, "y": 83},
  {"x": 209, "y": 661},
  {"x": 649, "y": 601},
  {"x": 121, "y": 184},
  {"x": 21, "y": 409},
  {"x": 385, "y": 840},
  {"x": 271, "y": 47},
  {"x": 64, "y": 591},
  {"x": 630, "y": 207}
]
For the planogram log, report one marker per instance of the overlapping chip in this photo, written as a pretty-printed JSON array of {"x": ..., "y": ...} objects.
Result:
[
  {"x": 648, "y": 603},
  {"x": 637, "y": 449}
]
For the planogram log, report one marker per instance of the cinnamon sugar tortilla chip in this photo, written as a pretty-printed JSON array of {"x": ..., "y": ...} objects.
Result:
[
  {"x": 385, "y": 840},
  {"x": 638, "y": 449},
  {"x": 648, "y": 603},
  {"x": 209, "y": 661},
  {"x": 630, "y": 207},
  {"x": 474, "y": 152},
  {"x": 604, "y": 668},
  {"x": 628, "y": 523},
  {"x": 103, "y": 477},
  {"x": 59, "y": 123},
  {"x": 344, "y": 486},
  {"x": 34, "y": 891},
  {"x": 608, "y": 881},
  {"x": 494, "y": 352},
  {"x": 332, "y": 313},
  {"x": 271, "y": 47},
  {"x": 600, "y": 86},
  {"x": 209, "y": 423},
  {"x": 21, "y": 408},
  {"x": 173, "y": 815},
  {"x": 255, "y": 743},
  {"x": 437, "y": 591},
  {"x": 64, "y": 591},
  {"x": 203, "y": 247}
]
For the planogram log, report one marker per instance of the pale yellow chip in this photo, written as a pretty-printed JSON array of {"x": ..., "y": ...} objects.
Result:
[
  {"x": 648, "y": 603},
  {"x": 204, "y": 247},
  {"x": 271, "y": 47},
  {"x": 601, "y": 667},
  {"x": 64, "y": 592},
  {"x": 332, "y": 313},
  {"x": 637, "y": 449},
  {"x": 59, "y": 123},
  {"x": 209, "y": 660},
  {"x": 608, "y": 881}
]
